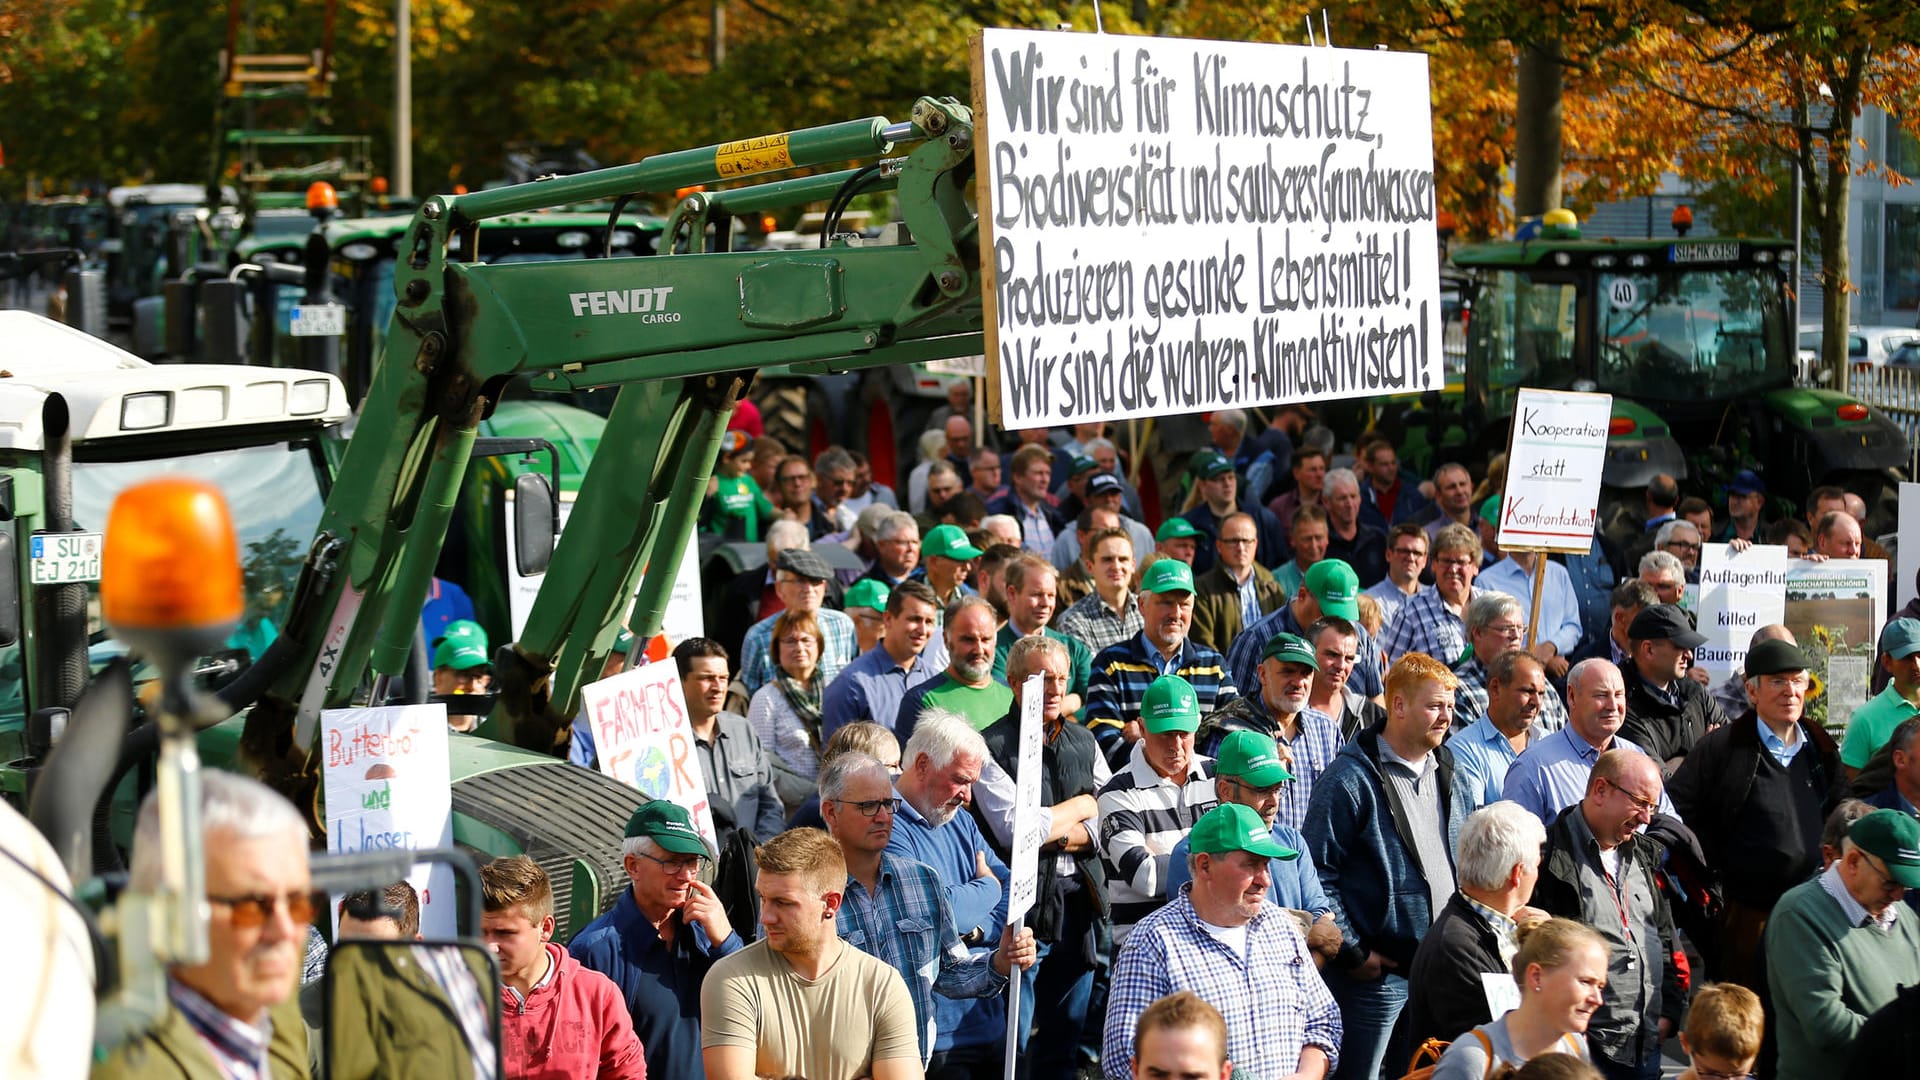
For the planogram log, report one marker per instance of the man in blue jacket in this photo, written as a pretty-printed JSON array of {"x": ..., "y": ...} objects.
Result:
[
  {"x": 1380, "y": 830},
  {"x": 661, "y": 937}
]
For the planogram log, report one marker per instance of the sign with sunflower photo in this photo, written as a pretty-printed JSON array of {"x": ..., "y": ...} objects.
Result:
[{"x": 1835, "y": 610}]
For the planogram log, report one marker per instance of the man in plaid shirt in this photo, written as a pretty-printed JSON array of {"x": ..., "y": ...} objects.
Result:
[
  {"x": 1431, "y": 620},
  {"x": 800, "y": 577},
  {"x": 896, "y": 908},
  {"x": 1496, "y": 624},
  {"x": 1109, "y": 614},
  {"x": 1122, "y": 672},
  {"x": 1248, "y": 959},
  {"x": 1151, "y": 803}
]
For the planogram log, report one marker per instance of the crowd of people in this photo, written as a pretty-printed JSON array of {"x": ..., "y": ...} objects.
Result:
[{"x": 1318, "y": 798}]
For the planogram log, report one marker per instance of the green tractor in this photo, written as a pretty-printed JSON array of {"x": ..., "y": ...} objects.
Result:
[{"x": 1694, "y": 339}]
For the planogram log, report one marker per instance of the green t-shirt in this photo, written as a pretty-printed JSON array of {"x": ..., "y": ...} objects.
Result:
[
  {"x": 737, "y": 507},
  {"x": 980, "y": 705},
  {"x": 1872, "y": 725}
]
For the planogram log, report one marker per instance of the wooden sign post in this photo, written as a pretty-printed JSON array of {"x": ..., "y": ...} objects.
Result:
[{"x": 1555, "y": 455}]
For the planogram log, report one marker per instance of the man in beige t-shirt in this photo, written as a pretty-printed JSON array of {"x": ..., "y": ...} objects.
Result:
[{"x": 801, "y": 1002}]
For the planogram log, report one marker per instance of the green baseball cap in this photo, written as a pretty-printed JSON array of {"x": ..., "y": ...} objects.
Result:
[
  {"x": 1177, "y": 528},
  {"x": 1900, "y": 638},
  {"x": 1290, "y": 649},
  {"x": 1490, "y": 510},
  {"x": 1168, "y": 575},
  {"x": 463, "y": 647},
  {"x": 1232, "y": 827},
  {"x": 1336, "y": 586},
  {"x": 668, "y": 824},
  {"x": 1170, "y": 705},
  {"x": 948, "y": 542},
  {"x": 866, "y": 593},
  {"x": 1081, "y": 463},
  {"x": 623, "y": 642},
  {"x": 1251, "y": 757},
  {"x": 1210, "y": 463},
  {"x": 1894, "y": 837}
]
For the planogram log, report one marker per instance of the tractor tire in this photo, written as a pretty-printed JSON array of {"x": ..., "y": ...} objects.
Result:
[{"x": 783, "y": 411}]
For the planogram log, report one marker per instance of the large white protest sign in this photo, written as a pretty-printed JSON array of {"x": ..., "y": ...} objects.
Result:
[
  {"x": 1739, "y": 593},
  {"x": 388, "y": 786},
  {"x": 1554, "y": 460},
  {"x": 1173, "y": 226},
  {"x": 683, "y": 618},
  {"x": 1030, "y": 819},
  {"x": 1835, "y": 610},
  {"x": 644, "y": 739}
]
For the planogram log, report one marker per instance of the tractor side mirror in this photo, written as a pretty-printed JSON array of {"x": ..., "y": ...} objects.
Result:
[{"x": 534, "y": 524}]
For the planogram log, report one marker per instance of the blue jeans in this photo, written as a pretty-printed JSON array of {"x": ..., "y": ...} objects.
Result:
[
  {"x": 1371, "y": 1032},
  {"x": 1061, "y": 993}
]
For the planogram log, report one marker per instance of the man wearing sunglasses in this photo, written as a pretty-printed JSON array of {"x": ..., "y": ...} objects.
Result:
[
  {"x": 661, "y": 937},
  {"x": 235, "y": 1012},
  {"x": 895, "y": 908}
]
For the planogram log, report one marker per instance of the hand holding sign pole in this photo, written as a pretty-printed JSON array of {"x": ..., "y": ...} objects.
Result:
[{"x": 1555, "y": 456}]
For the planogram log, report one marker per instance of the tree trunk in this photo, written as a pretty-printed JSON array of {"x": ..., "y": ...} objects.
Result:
[
  {"x": 1844, "y": 76},
  {"x": 1536, "y": 134}
]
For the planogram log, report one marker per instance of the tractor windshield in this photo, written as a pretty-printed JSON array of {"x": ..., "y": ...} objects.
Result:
[
  {"x": 274, "y": 493},
  {"x": 1692, "y": 334}
]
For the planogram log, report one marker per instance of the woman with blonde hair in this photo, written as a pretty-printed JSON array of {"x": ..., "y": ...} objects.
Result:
[{"x": 1561, "y": 968}]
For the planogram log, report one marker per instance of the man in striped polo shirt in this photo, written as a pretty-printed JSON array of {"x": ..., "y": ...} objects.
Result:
[
  {"x": 1151, "y": 803},
  {"x": 1121, "y": 673}
]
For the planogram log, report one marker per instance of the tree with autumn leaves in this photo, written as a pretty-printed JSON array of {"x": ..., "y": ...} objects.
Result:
[{"x": 1535, "y": 104}]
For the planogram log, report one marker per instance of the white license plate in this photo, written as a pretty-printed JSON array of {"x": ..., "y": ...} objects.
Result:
[
  {"x": 317, "y": 320},
  {"x": 62, "y": 558},
  {"x": 1722, "y": 251}
]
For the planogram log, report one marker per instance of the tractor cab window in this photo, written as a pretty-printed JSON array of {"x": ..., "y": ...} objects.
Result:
[
  {"x": 274, "y": 493},
  {"x": 1674, "y": 334},
  {"x": 1526, "y": 330}
]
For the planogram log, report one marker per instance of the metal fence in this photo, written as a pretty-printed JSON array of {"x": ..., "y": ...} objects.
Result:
[{"x": 1895, "y": 391}]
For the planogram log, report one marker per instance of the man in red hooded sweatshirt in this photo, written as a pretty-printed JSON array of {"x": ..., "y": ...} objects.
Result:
[{"x": 558, "y": 1020}]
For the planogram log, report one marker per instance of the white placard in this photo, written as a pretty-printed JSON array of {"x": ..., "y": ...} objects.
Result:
[
  {"x": 1906, "y": 556},
  {"x": 1555, "y": 456},
  {"x": 1030, "y": 819},
  {"x": 1173, "y": 225},
  {"x": 643, "y": 736},
  {"x": 1503, "y": 994},
  {"x": 1835, "y": 610},
  {"x": 684, "y": 618},
  {"x": 388, "y": 786},
  {"x": 1739, "y": 593}
]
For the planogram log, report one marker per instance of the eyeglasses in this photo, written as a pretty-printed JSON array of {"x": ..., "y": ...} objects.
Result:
[
  {"x": 1459, "y": 560},
  {"x": 248, "y": 912},
  {"x": 810, "y": 583},
  {"x": 1645, "y": 806},
  {"x": 801, "y": 642},
  {"x": 691, "y": 864},
  {"x": 1688, "y": 544},
  {"x": 1508, "y": 629},
  {"x": 1887, "y": 881},
  {"x": 872, "y": 807},
  {"x": 1258, "y": 792}
]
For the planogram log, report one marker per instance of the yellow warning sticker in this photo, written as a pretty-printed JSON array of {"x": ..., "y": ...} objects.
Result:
[{"x": 762, "y": 153}]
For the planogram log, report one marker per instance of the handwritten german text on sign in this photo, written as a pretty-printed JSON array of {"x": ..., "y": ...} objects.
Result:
[
  {"x": 1554, "y": 460},
  {"x": 1176, "y": 225},
  {"x": 388, "y": 786},
  {"x": 645, "y": 740}
]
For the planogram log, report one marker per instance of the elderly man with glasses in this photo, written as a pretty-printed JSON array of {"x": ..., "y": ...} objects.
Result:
[
  {"x": 661, "y": 937},
  {"x": 886, "y": 892}
]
